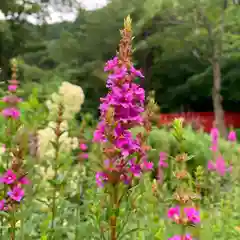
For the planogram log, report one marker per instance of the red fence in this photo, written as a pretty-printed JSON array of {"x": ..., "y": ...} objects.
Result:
[{"x": 205, "y": 119}]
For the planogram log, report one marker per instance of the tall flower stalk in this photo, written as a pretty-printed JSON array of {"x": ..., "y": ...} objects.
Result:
[
  {"x": 14, "y": 177},
  {"x": 56, "y": 144},
  {"x": 121, "y": 110},
  {"x": 185, "y": 212}
]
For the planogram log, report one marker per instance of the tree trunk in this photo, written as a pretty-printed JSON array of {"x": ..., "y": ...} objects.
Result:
[{"x": 217, "y": 99}]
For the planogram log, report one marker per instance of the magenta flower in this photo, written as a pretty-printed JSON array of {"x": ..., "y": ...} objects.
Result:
[
  {"x": 12, "y": 88},
  {"x": 2, "y": 204},
  {"x": 214, "y": 139},
  {"x": 220, "y": 166},
  {"x": 101, "y": 178},
  {"x": 11, "y": 112},
  {"x": 178, "y": 237},
  {"x": 118, "y": 74},
  {"x": 83, "y": 146},
  {"x": 9, "y": 177},
  {"x": 24, "y": 181},
  {"x": 11, "y": 99},
  {"x": 192, "y": 215},
  {"x": 126, "y": 144},
  {"x": 135, "y": 168},
  {"x": 162, "y": 160},
  {"x": 16, "y": 194},
  {"x": 137, "y": 73},
  {"x": 161, "y": 165},
  {"x": 214, "y": 134},
  {"x": 146, "y": 165},
  {"x": 111, "y": 64},
  {"x": 174, "y": 212},
  {"x": 126, "y": 101},
  {"x": 83, "y": 155},
  {"x": 232, "y": 137},
  {"x": 99, "y": 134}
]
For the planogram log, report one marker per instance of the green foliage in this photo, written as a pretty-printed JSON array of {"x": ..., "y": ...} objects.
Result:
[{"x": 196, "y": 144}]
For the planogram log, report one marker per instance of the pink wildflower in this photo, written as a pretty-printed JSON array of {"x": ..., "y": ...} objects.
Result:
[
  {"x": 161, "y": 164},
  {"x": 24, "y": 181},
  {"x": 101, "y": 178},
  {"x": 214, "y": 134},
  {"x": 232, "y": 137},
  {"x": 83, "y": 146},
  {"x": 9, "y": 177},
  {"x": 135, "y": 168},
  {"x": 11, "y": 112},
  {"x": 146, "y": 165},
  {"x": 11, "y": 99},
  {"x": 121, "y": 109},
  {"x": 83, "y": 155},
  {"x": 162, "y": 160},
  {"x": 178, "y": 237},
  {"x": 111, "y": 64},
  {"x": 17, "y": 193},
  {"x": 192, "y": 215},
  {"x": 214, "y": 139},
  {"x": 12, "y": 88},
  {"x": 220, "y": 166},
  {"x": 137, "y": 73},
  {"x": 174, "y": 212}
]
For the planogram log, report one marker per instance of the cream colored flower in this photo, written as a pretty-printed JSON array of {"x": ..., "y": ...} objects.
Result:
[
  {"x": 70, "y": 97},
  {"x": 74, "y": 143},
  {"x": 49, "y": 172}
]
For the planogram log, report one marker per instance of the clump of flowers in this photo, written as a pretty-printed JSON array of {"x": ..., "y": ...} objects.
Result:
[
  {"x": 14, "y": 181},
  {"x": 218, "y": 163},
  {"x": 54, "y": 142},
  {"x": 68, "y": 101},
  {"x": 47, "y": 136},
  {"x": 122, "y": 109},
  {"x": 70, "y": 97},
  {"x": 191, "y": 215}
]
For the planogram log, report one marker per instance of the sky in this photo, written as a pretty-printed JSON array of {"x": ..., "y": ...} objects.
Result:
[
  {"x": 88, "y": 4},
  {"x": 58, "y": 17}
]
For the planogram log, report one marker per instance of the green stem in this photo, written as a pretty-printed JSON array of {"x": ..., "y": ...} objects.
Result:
[
  {"x": 78, "y": 208},
  {"x": 113, "y": 218},
  {"x": 22, "y": 226},
  {"x": 183, "y": 232},
  {"x": 54, "y": 196},
  {"x": 13, "y": 226},
  {"x": 54, "y": 201},
  {"x": 77, "y": 221}
]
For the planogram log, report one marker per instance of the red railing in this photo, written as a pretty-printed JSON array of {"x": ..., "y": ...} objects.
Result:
[{"x": 204, "y": 119}]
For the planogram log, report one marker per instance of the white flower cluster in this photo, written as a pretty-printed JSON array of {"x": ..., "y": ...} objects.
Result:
[
  {"x": 47, "y": 136},
  {"x": 70, "y": 97},
  {"x": 2, "y": 151}
]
